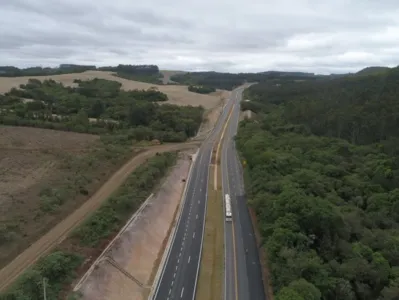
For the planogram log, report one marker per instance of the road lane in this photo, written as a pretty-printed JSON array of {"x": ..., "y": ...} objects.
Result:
[
  {"x": 250, "y": 284},
  {"x": 179, "y": 275}
]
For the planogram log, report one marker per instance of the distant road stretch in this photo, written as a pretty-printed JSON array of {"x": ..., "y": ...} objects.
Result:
[
  {"x": 179, "y": 276},
  {"x": 243, "y": 273}
]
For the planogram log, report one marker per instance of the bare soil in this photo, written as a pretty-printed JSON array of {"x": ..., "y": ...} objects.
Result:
[
  {"x": 177, "y": 94},
  {"x": 73, "y": 218},
  {"x": 137, "y": 250},
  {"x": 29, "y": 162}
]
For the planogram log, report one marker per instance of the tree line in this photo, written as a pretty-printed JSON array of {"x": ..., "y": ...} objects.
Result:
[
  {"x": 229, "y": 81},
  {"x": 10, "y": 71},
  {"x": 145, "y": 73},
  {"x": 201, "y": 89},
  {"x": 322, "y": 174},
  {"x": 99, "y": 106}
]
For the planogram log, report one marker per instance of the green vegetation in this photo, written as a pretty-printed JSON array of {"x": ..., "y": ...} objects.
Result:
[
  {"x": 229, "y": 81},
  {"x": 82, "y": 171},
  {"x": 99, "y": 106},
  {"x": 129, "y": 197},
  {"x": 323, "y": 167},
  {"x": 201, "y": 89},
  {"x": 60, "y": 266},
  {"x": 373, "y": 70},
  {"x": 8, "y": 71},
  {"x": 57, "y": 268},
  {"x": 144, "y": 73}
]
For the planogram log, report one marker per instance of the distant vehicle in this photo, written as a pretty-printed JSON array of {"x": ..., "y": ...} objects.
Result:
[
  {"x": 228, "y": 208},
  {"x": 184, "y": 180}
]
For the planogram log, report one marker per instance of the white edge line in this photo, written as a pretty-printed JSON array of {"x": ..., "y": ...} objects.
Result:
[
  {"x": 166, "y": 255},
  {"x": 203, "y": 224},
  {"x": 203, "y": 228}
]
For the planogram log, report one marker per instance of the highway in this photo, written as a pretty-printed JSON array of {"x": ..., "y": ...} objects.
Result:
[
  {"x": 243, "y": 275},
  {"x": 180, "y": 272}
]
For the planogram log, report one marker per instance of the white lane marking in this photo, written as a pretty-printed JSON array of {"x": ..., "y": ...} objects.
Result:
[
  {"x": 174, "y": 275},
  {"x": 179, "y": 254},
  {"x": 172, "y": 282},
  {"x": 189, "y": 258},
  {"x": 178, "y": 260},
  {"x": 194, "y": 234},
  {"x": 198, "y": 202},
  {"x": 181, "y": 294},
  {"x": 196, "y": 216},
  {"x": 176, "y": 267},
  {"x": 170, "y": 291}
]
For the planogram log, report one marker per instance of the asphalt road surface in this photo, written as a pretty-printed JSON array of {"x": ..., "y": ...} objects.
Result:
[
  {"x": 178, "y": 279},
  {"x": 243, "y": 275}
]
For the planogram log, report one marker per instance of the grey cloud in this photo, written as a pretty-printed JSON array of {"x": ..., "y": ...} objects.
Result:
[{"x": 255, "y": 35}]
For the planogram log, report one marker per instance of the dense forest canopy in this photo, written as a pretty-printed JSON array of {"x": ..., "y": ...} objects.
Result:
[
  {"x": 201, "y": 89},
  {"x": 99, "y": 106},
  {"x": 229, "y": 81},
  {"x": 323, "y": 177}
]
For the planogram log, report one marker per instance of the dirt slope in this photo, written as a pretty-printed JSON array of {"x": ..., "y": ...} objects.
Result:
[{"x": 42, "y": 246}]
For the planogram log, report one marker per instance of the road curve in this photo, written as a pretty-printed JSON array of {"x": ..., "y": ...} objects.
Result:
[
  {"x": 243, "y": 273},
  {"x": 179, "y": 275}
]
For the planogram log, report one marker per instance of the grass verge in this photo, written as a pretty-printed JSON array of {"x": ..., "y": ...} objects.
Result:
[
  {"x": 60, "y": 266},
  {"x": 210, "y": 281}
]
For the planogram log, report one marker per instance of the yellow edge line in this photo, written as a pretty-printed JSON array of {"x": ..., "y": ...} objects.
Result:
[{"x": 215, "y": 185}]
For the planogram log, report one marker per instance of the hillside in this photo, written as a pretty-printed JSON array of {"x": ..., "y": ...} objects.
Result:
[
  {"x": 372, "y": 70},
  {"x": 322, "y": 175}
]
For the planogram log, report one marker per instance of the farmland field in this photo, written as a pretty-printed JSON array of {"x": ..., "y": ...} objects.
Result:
[
  {"x": 177, "y": 94},
  {"x": 45, "y": 175}
]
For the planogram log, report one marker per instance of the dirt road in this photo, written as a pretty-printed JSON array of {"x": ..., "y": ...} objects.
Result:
[{"x": 52, "y": 238}]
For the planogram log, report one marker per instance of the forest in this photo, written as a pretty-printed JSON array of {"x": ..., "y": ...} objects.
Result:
[
  {"x": 144, "y": 73},
  {"x": 201, "y": 89},
  {"x": 99, "y": 106},
  {"x": 322, "y": 175},
  {"x": 229, "y": 81},
  {"x": 9, "y": 71}
]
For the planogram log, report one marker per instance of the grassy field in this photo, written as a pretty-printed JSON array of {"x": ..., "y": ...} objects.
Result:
[{"x": 45, "y": 175}]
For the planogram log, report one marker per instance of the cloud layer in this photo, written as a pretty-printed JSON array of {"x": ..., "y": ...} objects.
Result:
[{"x": 235, "y": 36}]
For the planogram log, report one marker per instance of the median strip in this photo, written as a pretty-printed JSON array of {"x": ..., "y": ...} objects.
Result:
[{"x": 210, "y": 281}]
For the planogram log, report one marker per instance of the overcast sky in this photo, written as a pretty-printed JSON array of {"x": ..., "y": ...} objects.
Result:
[{"x": 322, "y": 36}]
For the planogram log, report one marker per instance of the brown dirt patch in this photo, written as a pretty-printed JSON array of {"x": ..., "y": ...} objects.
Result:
[
  {"x": 59, "y": 231},
  {"x": 29, "y": 162},
  {"x": 137, "y": 249},
  {"x": 177, "y": 94}
]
